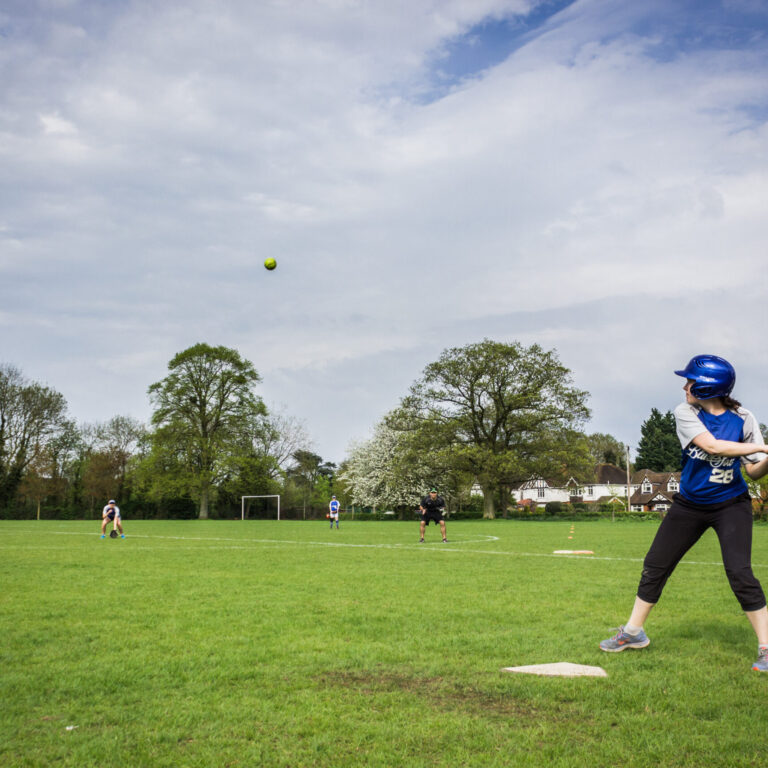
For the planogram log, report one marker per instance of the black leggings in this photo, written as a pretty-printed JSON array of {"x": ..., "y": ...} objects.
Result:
[{"x": 682, "y": 528}]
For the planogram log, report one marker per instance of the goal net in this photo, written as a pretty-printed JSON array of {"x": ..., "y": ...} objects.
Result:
[{"x": 260, "y": 507}]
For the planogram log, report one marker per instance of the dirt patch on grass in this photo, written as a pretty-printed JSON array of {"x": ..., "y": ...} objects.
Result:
[{"x": 443, "y": 694}]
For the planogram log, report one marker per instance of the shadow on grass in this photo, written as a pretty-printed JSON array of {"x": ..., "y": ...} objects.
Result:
[{"x": 715, "y": 633}]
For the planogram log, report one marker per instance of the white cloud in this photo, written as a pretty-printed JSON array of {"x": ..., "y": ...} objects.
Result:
[
  {"x": 155, "y": 154},
  {"x": 53, "y": 124}
]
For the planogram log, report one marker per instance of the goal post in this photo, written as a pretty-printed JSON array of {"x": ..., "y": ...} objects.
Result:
[{"x": 263, "y": 496}]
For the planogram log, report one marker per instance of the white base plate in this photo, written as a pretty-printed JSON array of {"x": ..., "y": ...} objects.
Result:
[{"x": 559, "y": 669}]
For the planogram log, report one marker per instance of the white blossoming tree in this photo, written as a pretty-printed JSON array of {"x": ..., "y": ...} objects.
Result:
[{"x": 386, "y": 471}]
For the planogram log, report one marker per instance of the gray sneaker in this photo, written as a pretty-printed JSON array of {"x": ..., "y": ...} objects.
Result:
[
  {"x": 761, "y": 665},
  {"x": 621, "y": 641}
]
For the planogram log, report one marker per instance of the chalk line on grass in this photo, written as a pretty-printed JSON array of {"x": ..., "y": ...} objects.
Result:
[
  {"x": 241, "y": 543},
  {"x": 573, "y": 552},
  {"x": 479, "y": 539}
]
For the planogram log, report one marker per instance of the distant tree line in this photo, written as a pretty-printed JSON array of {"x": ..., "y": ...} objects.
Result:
[
  {"x": 211, "y": 441},
  {"x": 487, "y": 415}
]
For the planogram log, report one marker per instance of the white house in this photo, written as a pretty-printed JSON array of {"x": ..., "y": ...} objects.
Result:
[
  {"x": 610, "y": 484},
  {"x": 648, "y": 491}
]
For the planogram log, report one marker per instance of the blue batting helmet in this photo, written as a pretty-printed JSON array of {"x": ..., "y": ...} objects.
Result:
[{"x": 712, "y": 376}]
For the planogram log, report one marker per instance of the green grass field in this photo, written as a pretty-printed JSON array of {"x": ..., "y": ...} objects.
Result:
[{"x": 287, "y": 644}]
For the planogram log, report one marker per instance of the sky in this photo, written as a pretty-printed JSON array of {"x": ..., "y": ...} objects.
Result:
[{"x": 587, "y": 175}]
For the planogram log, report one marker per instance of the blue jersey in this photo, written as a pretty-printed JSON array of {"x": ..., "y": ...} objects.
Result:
[
  {"x": 334, "y": 506},
  {"x": 709, "y": 479}
]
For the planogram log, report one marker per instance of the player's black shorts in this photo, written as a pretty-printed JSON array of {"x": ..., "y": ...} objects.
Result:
[{"x": 435, "y": 516}]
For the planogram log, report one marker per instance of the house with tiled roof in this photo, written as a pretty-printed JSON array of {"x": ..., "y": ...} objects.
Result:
[
  {"x": 648, "y": 491},
  {"x": 653, "y": 491},
  {"x": 609, "y": 484}
]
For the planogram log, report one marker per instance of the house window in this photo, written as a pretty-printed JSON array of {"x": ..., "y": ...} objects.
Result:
[
  {"x": 647, "y": 487},
  {"x": 542, "y": 492},
  {"x": 673, "y": 485},
  {"x": 574, "y": 491},
  {"x": 590, "y": 490}
]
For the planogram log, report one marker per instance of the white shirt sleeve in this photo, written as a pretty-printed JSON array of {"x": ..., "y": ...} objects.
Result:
[
  {"x": 688, "y": 424},
  {"x": 751, "y": 434}
]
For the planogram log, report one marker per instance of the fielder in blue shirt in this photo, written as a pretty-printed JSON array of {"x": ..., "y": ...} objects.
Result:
[
  {"x": 333, "y": 511},
  {"x": 718, "y": 436}
]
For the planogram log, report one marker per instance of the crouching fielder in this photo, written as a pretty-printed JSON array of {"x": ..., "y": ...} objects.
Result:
[
  {"x": 111, "y": 512},
  {"x": 717, "y": 435}
]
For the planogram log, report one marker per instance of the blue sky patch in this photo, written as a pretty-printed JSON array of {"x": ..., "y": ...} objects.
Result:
[
  {"x": 485, "y": 45},
  {"x": 694, "y": 25},
  {"x": 672, "y": 29}
]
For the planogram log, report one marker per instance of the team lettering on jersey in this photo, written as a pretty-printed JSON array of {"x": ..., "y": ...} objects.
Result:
[
  {"x": 718, "y": 474},
  {"x": 707, "y": 478}
]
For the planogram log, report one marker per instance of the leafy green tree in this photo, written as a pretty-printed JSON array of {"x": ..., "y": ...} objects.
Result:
[
  {"x": 35, "y": 485},
  {"x": 257, "y": 463},
  {"x": 106, "y": 452},
  {"x": 88, "y": 485},
  {"x": 48, "y": 479},
  {"x": 321, "y": 493},
  {"x": 248, "y": 470},
  {"x": 606, "y": 449},
  {"x": 61, "y": 454},
  {"x": 119, "y": 439},
  {"x": 31, "y": 416},
  {"x": 499, "y": 412},
  {"x": 204, "y": 406},
  {"x": 758, "y": 489},
  {"x": 305, "y": 472},
  {"x": 165, "y": 473},
  {"x": 100, "y": 479},
  {"x": 659, "y": 448}
]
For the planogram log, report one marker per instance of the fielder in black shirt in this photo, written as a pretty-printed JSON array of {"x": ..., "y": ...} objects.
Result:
[{"x": 432, "y": 507}]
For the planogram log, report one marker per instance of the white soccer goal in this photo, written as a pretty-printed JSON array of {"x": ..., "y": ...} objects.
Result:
[{"x": 265, "y": 496}]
